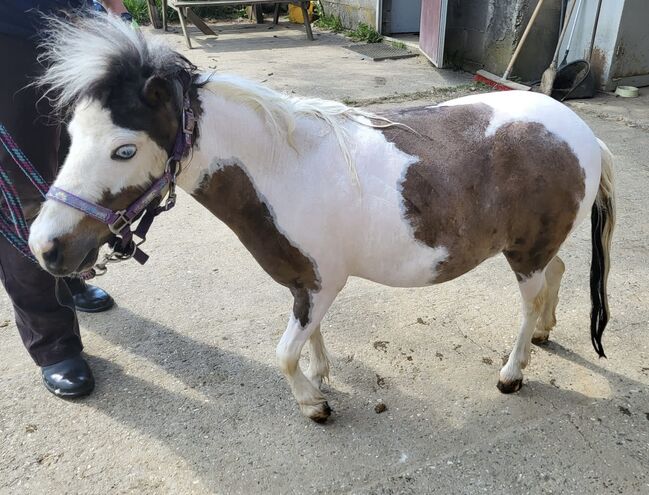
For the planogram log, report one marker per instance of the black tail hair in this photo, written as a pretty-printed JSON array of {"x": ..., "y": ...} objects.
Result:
[{"x": 599, "y": 313}]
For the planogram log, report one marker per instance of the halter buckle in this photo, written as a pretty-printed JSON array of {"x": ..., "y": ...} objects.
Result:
[
  {"x": 120, "y": 223},
  {"x": 189, "y": 121}
]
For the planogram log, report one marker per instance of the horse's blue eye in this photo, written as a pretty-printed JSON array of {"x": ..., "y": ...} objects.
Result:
[{"x": 125, "y": 152}]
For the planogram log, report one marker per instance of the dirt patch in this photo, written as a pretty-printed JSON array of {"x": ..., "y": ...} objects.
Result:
[
  {"x": 381, "y": 345},
  {"x": 624, "y": 410}
]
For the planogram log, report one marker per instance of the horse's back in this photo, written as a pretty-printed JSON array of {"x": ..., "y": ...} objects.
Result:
[{"x": 507, "y": 172}]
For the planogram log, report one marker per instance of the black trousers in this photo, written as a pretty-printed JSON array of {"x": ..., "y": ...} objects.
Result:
[{"x": 49, "y": 329}]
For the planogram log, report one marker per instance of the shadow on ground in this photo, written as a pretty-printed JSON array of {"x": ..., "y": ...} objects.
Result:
[{"x": 232, "y": 412}]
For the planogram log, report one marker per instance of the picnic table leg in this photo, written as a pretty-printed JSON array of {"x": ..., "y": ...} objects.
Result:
[
  {"x": 198, "y": 22},
  {"x": 153, "y": 14},
  {"x": 183, "y": 25},
  {"x": 163, "y": 7},
  {"x": 276, "y": 14},
  {"x": 307, "y": 22},
  {"x": 259, "y": 13}
]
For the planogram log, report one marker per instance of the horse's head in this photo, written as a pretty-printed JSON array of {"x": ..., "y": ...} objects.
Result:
[{"x": 126, "y": 98}]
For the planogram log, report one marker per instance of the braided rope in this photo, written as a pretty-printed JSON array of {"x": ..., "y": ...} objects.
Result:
[
  {"x": 22, "y": 161},
  {"x": 16, "y": 230},
  {"x": 17, "y": 242},
  {"x": 13, "y": 203}
]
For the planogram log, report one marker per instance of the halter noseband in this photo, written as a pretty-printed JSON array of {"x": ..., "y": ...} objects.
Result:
[{"x": 120, "y": 222}]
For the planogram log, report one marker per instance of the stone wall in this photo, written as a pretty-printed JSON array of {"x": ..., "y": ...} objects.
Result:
[
  {"x": 485, "y": 33},
  {"x": 352, "y": 12}
]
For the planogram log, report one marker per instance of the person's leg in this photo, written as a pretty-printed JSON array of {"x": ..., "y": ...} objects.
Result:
[{"x": 48, "y": 329}]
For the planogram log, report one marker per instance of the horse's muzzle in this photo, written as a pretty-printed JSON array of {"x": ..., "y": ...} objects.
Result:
[{"x": 59, "y": 263}]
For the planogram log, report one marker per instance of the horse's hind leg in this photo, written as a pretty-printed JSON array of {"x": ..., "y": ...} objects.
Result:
[
  {"x": 547, "y": 320},
  {"x": 318, "y": 359},
  {"x": 532, "y": 292}
]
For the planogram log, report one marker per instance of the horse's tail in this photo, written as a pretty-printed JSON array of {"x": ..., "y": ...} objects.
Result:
[{"x": 602, "y": 225}]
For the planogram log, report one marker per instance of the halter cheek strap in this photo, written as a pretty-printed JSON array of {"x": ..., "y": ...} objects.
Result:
[{"x": 120, "y": 222}]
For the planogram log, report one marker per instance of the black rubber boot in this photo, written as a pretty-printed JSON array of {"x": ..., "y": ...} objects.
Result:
[
  {"x": 69, "y": 378},
  {"x": 89, "y": 298}
]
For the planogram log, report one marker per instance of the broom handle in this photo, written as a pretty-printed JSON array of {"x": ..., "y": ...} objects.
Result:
[
  {"x": 572, "y": 33},
  {"x": 520, "y": 44},
  {"x": 592, "y": 39},
  {"x": 566, "y": 21}
]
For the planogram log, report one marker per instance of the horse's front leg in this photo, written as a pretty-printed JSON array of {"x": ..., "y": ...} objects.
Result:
[
  {"x": 318, "y": 359},
  {"x": 309, "y": 309}
]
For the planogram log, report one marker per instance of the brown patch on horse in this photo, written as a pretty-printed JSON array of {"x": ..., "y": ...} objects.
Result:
[
  {"x": 517, "y": 191},
  {"x": 230, "y": 195}
]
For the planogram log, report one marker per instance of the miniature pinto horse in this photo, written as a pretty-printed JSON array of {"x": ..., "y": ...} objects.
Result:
[{"x": 323, "y": 192}]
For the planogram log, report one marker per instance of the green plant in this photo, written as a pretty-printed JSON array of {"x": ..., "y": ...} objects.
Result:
[
  {"x": 366, "y": 33},
  {"x": 398, "y": 44},
  {"x": 138, "y": 10},
  {"x": 326, "y": 21}
]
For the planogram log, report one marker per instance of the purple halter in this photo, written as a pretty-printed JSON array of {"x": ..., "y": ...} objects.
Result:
[{"x": 120, "y": 222}]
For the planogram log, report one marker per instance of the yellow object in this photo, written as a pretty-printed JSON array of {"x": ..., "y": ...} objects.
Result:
[{"x": 295, "y": 13}]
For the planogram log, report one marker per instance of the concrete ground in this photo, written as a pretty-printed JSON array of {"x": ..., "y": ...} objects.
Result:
[{"x": 189, "y": 399}]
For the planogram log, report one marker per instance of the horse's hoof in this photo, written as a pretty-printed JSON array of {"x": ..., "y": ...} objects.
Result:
[
  {"x": 541, "y": 340},
  {"x": 510, "y": 388},
  {"x": 318, "y": 412}
]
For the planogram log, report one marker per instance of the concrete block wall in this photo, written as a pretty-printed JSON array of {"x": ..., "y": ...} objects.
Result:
[
  {"x": 353, "y": 12},
  {"x": 485, "y": 33}
]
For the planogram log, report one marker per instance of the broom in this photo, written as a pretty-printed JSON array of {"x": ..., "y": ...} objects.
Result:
[
  {"x": 502, "y": 83},
  {"x": 548, "y": 77}
]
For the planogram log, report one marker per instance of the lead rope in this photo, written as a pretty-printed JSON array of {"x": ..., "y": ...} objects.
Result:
[{"x": 15, "y": 228}]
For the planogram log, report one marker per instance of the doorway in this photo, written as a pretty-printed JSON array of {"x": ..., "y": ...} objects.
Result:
[{"x": 400, "y": 17}]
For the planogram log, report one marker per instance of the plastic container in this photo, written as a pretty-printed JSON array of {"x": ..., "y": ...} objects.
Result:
[
  {"x": 627, "y": 91},
  {"x": 574, "y": 80},
  {"x": 295, "y": 13}
]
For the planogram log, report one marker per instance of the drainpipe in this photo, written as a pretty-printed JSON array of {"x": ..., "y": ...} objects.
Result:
[{"x": 379, "y": 16}]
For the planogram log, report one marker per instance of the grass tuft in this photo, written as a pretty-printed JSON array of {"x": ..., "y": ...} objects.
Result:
[{"x": 366, "y": 33}]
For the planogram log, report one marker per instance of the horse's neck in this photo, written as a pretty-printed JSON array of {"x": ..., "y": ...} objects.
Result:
[
  {"x": 234, "y": 174},
  {"x": 231, "y": 132}
]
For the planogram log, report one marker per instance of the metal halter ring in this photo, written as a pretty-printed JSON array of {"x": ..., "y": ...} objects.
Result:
[{"x": 118, "y": 225}]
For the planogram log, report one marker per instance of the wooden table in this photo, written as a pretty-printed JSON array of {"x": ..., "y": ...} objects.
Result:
[{"x": 187, "y": 15}]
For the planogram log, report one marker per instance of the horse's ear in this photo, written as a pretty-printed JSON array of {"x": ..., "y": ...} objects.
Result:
[{"x": 156, "y": 91}]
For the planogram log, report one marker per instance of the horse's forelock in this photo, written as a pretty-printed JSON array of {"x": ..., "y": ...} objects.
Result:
[{"x": 89, "y": 56}]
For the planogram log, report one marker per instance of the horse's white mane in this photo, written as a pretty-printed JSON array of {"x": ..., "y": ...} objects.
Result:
[
  {"x": 81, "y": 56},
  {"x": 282, "y": 111}
]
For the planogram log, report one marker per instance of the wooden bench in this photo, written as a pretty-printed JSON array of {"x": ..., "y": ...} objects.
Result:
[{"x": 186, "y": 14}]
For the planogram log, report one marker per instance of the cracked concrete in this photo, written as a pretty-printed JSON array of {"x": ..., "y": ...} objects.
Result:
[
  {"x": 632, "y": 112},
  {"x": 189, "y": 399}
]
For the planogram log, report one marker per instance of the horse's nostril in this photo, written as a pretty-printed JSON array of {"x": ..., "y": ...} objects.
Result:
[{"x": 52, "y": 255}]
